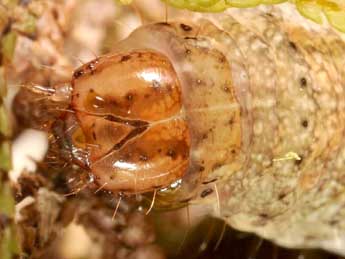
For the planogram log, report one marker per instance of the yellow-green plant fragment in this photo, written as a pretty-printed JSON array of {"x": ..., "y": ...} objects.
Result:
[
  {"x": 27, "y": 24},
  {"x": 336, "y": 19},
  {"x": 314, "y": 10},
  {"x": 272, "y": 1},
  {"x": 334, "y": 5},
  {"x": 8, "y": 44},
  {"x": 8, "y": 237},
  {"x": 310, "y": 10},
  {"x": 6, "y": 244},
  {"x": 3, "y": 89},
  {"x": 5, "y": 128},
  {"x": 204, "y": 3},
  {"x": 243, "y": 3},
  {"x": 335, "y": 14},
  {"x": 6, "y": 201},
  {"x": 124, "y": 2},
  {"x": 9, "y": 3},
  {"x": 5, "y": 156},
  {"x": 4, "y": 122},
  {"x": 9, "y": 246}
]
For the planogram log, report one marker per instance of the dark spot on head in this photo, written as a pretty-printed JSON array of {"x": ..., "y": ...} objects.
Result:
[
  {"x": 171, "y": 153},
  {"x": 205, "y": 136},
  {"x": 185, "y": 27},
  {"x": 303, "y": 82},
  {"x": 206, "y": 192},
  {"x": 226, "y": 89},
  {"x": 233, "y": 151},
  {"x": 146, "y": 96},
  {"x": 78, "y": 73},
  {"x": 305, "y": 123},
  {"x": 143, "y": 158},
  {"x": 91, "y": 66},
  {"x": 293, "y": 45},
  {"x": 125, "y": 58},
  {"x": 113, "y": 102},
  {"x": 91, "y": 90},
  {"x": 77, "y": 95},
  {"x": 159, "y": 150},
  {"x": 155, "y": 84},
  {"x": 129, "y": 97},
  {"x": 111, "y": 177}
]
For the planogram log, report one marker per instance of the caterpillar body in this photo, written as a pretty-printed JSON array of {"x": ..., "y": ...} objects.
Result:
[{"x": 245, "y": 102}]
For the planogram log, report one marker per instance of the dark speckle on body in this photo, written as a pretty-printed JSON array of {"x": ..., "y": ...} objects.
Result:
[
  {"x": 293, "y": 45},
  {"x": 303, "y": 82},
  {"x": 78, "y": 73},
  {"x": 305, "y": 123},
  {"x": 206, "y": 192},
  {"x": 125, "y": 58},
  {"x": 185, "y": 27}
]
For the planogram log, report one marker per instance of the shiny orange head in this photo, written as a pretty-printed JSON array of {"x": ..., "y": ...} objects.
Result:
[{"x": 129, "y": 110}]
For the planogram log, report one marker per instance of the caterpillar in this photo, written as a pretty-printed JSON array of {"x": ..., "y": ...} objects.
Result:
[{"x": 245, "y": 105}]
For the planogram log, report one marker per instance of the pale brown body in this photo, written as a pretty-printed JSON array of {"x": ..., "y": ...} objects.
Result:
[{"x": 249, "y": 104}]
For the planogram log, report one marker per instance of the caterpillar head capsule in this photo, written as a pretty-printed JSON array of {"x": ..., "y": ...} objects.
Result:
[
  {"x": 129, "y": 110},
  {"x": 149, "y": 115}
]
